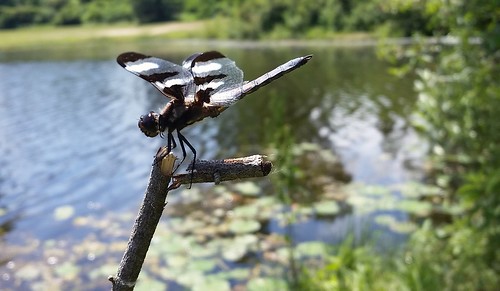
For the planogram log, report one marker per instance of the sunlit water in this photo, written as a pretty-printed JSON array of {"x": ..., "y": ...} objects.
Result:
[{"x": 69, "y": 136}]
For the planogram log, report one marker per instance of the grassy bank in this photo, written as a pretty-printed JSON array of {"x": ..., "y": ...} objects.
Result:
[
  {"x": 43, "y": 37},
  {"x": 46, "y": 36}
]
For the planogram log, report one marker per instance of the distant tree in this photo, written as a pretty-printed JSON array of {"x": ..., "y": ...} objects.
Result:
[
  {"x": 108, "y": 11},
  {"x": 156, "y": 10},
  {"x": 69, "y": 13},
  {"x": 200, "y": 9},
  {"x": 16, "y": 16}
]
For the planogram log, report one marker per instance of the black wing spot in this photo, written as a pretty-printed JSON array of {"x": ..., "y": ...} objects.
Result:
[
  {"x": 208, "y": 79},
  {"x": 203, "y": 95},
  {"x": 130, "y": 57},
  {"x": 159, "y": 77},
  {"x": 207, "y": 56},
  {"x": 175, "y": 91}
]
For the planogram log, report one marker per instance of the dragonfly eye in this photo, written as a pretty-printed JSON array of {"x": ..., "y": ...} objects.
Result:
[{"x": 149, "y": 124}]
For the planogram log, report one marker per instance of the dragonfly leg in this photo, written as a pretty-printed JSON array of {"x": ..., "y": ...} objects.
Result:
[{"x": 182, "y": 140}]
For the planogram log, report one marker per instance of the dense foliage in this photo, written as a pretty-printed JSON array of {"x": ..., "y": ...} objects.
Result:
[
  {"x": 458, "y": 108},
  {"x": 237, "y": 19},
  {"x": 16, "y": 13}
]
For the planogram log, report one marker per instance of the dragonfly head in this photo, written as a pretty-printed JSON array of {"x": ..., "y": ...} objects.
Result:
[{"x": 149, "y": 124}]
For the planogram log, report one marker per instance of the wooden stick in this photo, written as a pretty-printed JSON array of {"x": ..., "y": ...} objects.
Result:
[
  {"x": 216, "y": 171},
  {"x": 156, "y": 195},
  {"x": 144, "y": 226}
]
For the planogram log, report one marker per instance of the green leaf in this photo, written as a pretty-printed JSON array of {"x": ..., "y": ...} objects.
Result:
[
  {"x": 266, "y": 284},
  {"x": 67, "y": 270},
  {"x": 421, "y": 208},
  {"x": 235, "y": 274},
  {"x": 203, "y": 265},
  {"x": 326, "y": 208},
  {"x": 146, "y": 283},
  {"x": 312, "y": 249},
  {"x": 234, "y": 252},
  {"x": 384, "y": 219},
  {"x": 241, "y": 226},
  {"x": 246, "y": 211},
  {"x": 103, "y": 271},
  {"x": 212, "y": 283},
  {"x": 248, "y": 189}
]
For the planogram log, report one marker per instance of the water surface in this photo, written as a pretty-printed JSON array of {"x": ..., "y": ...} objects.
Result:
[{"x": 69, "y": 136}]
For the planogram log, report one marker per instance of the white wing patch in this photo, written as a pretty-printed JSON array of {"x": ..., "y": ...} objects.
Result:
[
  {"x": 205, "y": 68},
  {"x": 162, "y": 74},
  {"x": 142, "y": 67}
]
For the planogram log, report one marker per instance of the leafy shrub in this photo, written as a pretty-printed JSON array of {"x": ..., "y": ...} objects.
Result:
[
  {"x": 16, "y": 16},
  {"x": 69, "y": 13},
  {"x": 148, "y": 11},
  {"x": 103, "y": 11}
]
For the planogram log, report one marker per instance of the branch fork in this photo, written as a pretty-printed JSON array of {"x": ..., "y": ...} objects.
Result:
[{"x": 157, "y": 190}]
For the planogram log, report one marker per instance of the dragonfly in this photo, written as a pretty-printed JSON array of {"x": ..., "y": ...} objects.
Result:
[{"x": 204, "y": 85}]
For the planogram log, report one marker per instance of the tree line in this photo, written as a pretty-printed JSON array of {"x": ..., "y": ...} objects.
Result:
[{"x": 248, "y": 18}]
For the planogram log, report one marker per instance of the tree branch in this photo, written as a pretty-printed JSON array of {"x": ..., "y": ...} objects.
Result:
[
  {"x": 144, "y": 226},
  {"x": 155, "y": 197},
  {"x": 216, "y": 171}
]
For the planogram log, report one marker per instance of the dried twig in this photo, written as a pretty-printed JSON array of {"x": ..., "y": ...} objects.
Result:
[
  {"x": 217, "y": 171},
  {"x": 154, "y": 202},
  {"x": 144, "y": 226}
]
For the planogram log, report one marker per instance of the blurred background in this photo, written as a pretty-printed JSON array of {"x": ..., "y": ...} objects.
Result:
[{"x": 385, "y": 146}]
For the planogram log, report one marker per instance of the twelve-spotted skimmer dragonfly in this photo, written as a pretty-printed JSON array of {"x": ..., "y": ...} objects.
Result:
[{"x": 204, "y": 85}]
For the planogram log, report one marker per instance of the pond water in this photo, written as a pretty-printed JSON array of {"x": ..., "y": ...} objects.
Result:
[{"x": 71, "y": 155}]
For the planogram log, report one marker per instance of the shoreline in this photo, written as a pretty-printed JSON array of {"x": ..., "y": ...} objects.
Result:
[{"x": 50, "y": 36}]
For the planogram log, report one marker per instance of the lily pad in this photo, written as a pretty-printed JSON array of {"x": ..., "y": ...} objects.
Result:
[
  {"x": 377, "y": 190},
  {"x": 420, "y": 208},
  {"x": 176, "y": 261},
  {"x": 308, "y": 146},
  {"x": 103, "y": 271},
  {"x": 312, "y": 249},
  {"x": 241, "y": 226},
  {"x": 417, "y": 190},
  {"x": 246, "y": 239},
  {"x": 235, "y": 274},
  {"x": 394, "y": 225},
  {"x": 326, "y": 208},
  {"x": 246, "y": 211},
  {"x": 248, "y": 189},
  {"x": 203, "y": 251},
  {"x": 146, "y": 283},
  {"x": 212, "y": 283},
  {"x": 28, "y": 272},
  {"x": 281, "y": 255},
  {"x": 268, "y": 201},
  {"x": 191, "y": 196},
  {"x": 189, "y": 225},
  {"x": 265, "y": 284},
  {"x": 67, "y": 270},
  {"x": 173, "y": 244},
  {"x": 203, "y": 265},
  {"x": 234, "y": 252},
  {"x": 190, "y": 278},
  {"x": 403, "y": 227},
  {"x": 385, "y": 219},
  {"x": 64, "y": 212}
]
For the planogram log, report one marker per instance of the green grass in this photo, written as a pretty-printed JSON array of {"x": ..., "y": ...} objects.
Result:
[{"x": 45, "y": 36}]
